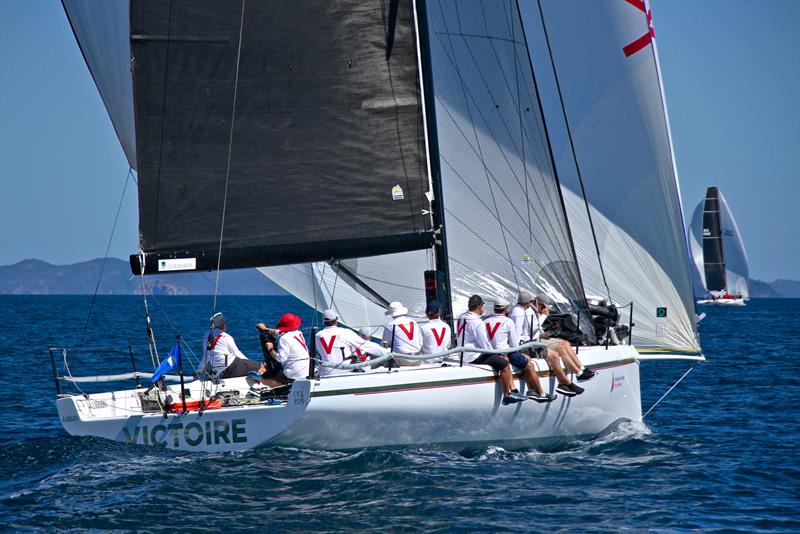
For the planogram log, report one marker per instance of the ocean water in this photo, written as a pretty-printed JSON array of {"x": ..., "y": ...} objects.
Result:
[{"x": 720, "y": 453}]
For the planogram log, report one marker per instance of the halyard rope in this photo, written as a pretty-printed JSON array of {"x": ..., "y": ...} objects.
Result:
[{"x": 230, "y": 147}]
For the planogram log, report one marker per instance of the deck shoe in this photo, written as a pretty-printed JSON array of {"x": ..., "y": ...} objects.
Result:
[
  {"x": 545, "y": 397},
  {"x": 512, "y": 399},
  {"x": 576, "y": 388},
  {"x": 566, "y": 390},
  {"x": 254, "y": 375},
  {"x": 587, "y": 374}
]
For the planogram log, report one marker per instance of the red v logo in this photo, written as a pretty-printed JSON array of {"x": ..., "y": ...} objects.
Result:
[
  {"x": 461, "y": 326},
  {"x": 492, "y": 330},
  {"x": 410, "y": 332},
  {"x": 438, "y": 336},
  {"x": 300, "y": 340},
  {"x": 327, "y": 346}
]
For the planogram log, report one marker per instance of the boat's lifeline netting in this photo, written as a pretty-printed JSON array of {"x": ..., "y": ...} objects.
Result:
[{"x": 505, "y": 225}]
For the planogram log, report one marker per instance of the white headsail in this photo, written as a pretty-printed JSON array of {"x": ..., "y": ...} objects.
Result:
[{"x": 610, "y": 85}]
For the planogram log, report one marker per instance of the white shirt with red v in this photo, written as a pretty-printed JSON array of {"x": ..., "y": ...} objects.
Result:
[
  {"x": 435, "y": 336},
  {"x": 471, "y": 332},
  {"x": 292, "y": 352},
  {"x": 336, "y": 344},
  {"x": 502, "y": 332},
  {"x": 402, "y": 335}
]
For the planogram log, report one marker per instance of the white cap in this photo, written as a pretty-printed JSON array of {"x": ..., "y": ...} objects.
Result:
[
  {"x": 364, "y": 332},
  {"x": 542, "y": 297},
  {"x": 500, "y": 303},
  {"x": 330, "y": 315},
  {"x": 218, "y": 320},
  {"x": 524, "y": 297},
  {"x": 396, "y": 309}
]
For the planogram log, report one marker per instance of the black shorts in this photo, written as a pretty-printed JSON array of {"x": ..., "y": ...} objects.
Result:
[
  {"x": 495, "y": 361},
  {"x": 240, "y": 367}
]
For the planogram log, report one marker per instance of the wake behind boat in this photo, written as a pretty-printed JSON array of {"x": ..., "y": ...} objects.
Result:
[{"x": 360, "y": 155}]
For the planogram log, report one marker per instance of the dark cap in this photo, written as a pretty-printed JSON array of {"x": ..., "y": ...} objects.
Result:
[
  {"x": 433, "y": 307},
  {"x": 474, "y": 301}
]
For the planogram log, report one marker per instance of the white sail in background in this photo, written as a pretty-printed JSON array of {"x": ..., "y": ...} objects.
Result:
[{"x": 610, "y": 86}]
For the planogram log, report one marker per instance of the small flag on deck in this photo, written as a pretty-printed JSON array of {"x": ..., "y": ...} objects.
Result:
[{"x": 172, "y": 362}]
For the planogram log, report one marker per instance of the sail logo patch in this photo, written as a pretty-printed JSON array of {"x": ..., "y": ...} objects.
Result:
[
  {"x": 706, "y": 232},
  {"x": 661, "y": 312},
  {"x": 178, "y": 264},
  {"x": 397, "y": 193}
]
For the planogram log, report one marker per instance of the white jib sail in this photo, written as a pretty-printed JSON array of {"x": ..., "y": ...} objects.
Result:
[{"x": 609, "y": 82}]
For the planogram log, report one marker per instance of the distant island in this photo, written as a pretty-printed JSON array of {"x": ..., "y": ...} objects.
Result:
[{"x": 36, "y": 277}]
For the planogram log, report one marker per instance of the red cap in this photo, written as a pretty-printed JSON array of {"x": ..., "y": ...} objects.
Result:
[{"x": 288, "y": 322}]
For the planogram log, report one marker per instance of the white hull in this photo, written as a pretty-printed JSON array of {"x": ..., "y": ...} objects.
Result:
[
  {"x": 721, "y": 302},
  {"x": 448, "y": 407}
]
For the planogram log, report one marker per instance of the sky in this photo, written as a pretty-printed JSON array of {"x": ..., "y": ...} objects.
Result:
[{"x": 731, "y": 75}]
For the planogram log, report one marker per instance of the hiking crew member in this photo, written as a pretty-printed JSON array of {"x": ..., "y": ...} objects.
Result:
[
  {"x": 402, "y": 334},
  {"x": 524, "y": 317},
  {"x": 471, "y": 332},
  {"x": 436, "y": 334},
  {"x": 221, "y": 355},
  {"x": 503, "y": 335},
  {"x": 561, "y": 347},
  {"x": 336, "y": 344}
]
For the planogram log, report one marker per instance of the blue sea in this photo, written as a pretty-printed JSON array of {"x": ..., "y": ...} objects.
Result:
[{"x": 719, "y": 453}]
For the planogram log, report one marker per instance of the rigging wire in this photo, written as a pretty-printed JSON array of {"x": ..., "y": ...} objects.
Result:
[
  {"x": 572, "y": 148},
  {"x": 230, "y": 148},
  {"x": 105, "y": 257},
  {"x": 668, "y": 391},
  {"x": 151, "y": 339}
]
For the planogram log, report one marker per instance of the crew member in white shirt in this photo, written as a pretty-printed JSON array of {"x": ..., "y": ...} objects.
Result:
[
  {"x": 436, "y": 334},
  {"x": 292, "y": 350},
  {"x": 471, "y": 332},
  {"x": 337, "y": 345},
  {"x": 402, "y": 334},
  {"x": 221, "y": 355},
  {"x": 503, "y": 335},
  {"x": 524, "y": 317}
]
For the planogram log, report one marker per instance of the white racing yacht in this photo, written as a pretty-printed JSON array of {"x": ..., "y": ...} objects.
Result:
[{"x": 363, "y": 152}]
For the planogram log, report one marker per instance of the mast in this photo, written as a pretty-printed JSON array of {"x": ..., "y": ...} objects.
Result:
[{"x": 442, "y": 279}]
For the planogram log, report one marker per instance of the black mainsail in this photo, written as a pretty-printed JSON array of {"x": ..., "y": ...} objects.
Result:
[
  {"x": 299, "y": 123},
  {"x": 714, "y": 263}
]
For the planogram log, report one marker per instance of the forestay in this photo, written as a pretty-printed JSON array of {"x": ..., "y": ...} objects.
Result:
[{"x": 606, "y": 65}]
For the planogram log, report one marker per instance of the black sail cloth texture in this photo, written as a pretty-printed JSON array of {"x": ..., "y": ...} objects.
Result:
[
  {"x": 712, "y": 243},
  {"x": 327, "y": 154}
]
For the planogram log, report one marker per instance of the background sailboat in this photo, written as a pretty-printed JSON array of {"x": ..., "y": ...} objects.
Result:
[{"x": 720, "y": 267}]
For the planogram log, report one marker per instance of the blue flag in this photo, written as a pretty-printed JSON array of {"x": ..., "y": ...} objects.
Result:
[{"x": 172, "y": 362}]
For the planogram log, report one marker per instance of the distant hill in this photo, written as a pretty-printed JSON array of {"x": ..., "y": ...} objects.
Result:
[{"x": 36, "y": 277}]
